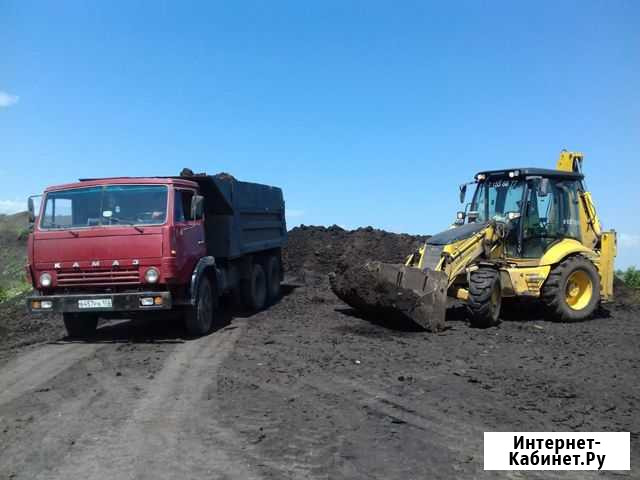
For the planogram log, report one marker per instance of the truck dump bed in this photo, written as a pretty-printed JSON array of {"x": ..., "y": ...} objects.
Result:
[{"x": 241, "y": 217}]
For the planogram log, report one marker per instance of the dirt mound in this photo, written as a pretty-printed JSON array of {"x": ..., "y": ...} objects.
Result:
[
  {"x": 314, "y": 251},
  {"x": 18, "y": 327},
  {"x": 322, "y": 249},
  {"x": 625, "y": 297}
]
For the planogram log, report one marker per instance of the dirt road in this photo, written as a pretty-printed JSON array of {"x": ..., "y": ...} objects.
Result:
[
  {"x": 134, "y": 403},
  {"x": 308, "y": 390}
]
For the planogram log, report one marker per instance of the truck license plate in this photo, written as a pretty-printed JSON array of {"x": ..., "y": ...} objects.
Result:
[{"x": 95, "y": 303}]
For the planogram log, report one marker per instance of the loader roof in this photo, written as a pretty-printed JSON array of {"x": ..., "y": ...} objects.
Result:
[{"x": 540, "y": 172}]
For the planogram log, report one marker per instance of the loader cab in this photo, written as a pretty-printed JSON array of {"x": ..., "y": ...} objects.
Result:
[{"x": 539, "y": 207}]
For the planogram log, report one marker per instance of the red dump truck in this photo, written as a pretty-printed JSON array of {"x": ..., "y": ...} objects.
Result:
[{"x": 122, "y": 247}]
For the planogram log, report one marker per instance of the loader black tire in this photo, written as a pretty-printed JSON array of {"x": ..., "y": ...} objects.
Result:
[
  {"x": 571, "y": 292},
  {"x": 485, "y": 297},
  {"x": 80, "y": 325},
  {"x": 254, "y": 289},
  {"x": 273, "y": 269},
  {"x": 199, "y": 319}
]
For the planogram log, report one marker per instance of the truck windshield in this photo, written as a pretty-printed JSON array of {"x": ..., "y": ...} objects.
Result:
[
  {"x": 105, "y": 206},
  {"x": 494, "y": 198}
]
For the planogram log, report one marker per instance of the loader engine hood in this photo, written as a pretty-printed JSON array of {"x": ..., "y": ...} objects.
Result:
[{"x": 456, "y": 234}]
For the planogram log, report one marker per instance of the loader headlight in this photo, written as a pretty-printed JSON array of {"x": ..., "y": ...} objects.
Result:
[
  {"x": 514, "y": 173},
  {"x": 45, "y": 280},
  {"x": 152, "y": 275}
]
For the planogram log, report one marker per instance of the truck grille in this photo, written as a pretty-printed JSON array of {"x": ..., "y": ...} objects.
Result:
[{"x": 102, "y": 278}]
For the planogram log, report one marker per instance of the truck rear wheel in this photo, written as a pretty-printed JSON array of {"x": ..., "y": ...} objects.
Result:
[
  {"x": 254, "y": 289},
  {"x": 199, "y": 318},
  {"x": 485, "y": 297},
  {"x": 80, "y": 325},
  {"x": 274, "y": 278},
  {"x": 572, "y": 290}
]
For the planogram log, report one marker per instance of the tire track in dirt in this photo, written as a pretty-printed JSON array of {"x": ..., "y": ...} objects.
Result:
[
  {"x": 29, "y": 371},
  {"x": 170, "y": 432}
]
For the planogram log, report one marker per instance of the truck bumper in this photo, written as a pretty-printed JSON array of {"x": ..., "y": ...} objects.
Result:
[{"x": 108, "y": 302}]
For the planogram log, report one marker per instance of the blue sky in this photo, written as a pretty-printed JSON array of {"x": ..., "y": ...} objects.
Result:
[{"x": 366, "y": 113}]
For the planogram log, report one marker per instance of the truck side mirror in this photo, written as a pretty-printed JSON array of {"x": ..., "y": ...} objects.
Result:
[
  {"x": 31, "y": 209},
  {"x": 463, "y": 192},
  {"x": 197, "y": 207}
]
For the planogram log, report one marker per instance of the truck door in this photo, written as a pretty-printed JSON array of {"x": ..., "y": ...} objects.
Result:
[{"x": 189, "y": 233}]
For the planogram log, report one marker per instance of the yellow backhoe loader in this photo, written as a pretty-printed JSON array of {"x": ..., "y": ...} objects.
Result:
[{"x": 527, "y": 232}]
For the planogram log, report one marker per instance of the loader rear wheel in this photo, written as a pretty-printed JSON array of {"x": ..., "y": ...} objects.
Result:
[
  {"x": 485, "y": 297},
  {"x": 254, "y": 289},
  {"x": 572, "y": 290},
  {"x": 80, "y": 325}
]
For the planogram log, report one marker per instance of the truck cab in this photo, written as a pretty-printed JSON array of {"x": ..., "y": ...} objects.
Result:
[{"x": 121, "y": 246}]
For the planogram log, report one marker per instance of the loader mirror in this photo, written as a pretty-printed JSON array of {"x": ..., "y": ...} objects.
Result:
[
  {"x": 463, "y": 192},
  {"x": 197, "y": 207},
  {"x": 544, "y": 187}
]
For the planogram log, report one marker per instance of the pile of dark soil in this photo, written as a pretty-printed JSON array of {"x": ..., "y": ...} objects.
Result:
[
  {"x": 322, "y": 249},
  {"x": 625, "y": 297},
  {"x": 19, "y": 328}
]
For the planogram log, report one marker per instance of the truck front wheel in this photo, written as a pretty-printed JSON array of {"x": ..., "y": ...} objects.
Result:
[
  {"x": 199, "y": 318},
  {"x": 254, "y": 289},
  {"x": 80, "y": 325}
]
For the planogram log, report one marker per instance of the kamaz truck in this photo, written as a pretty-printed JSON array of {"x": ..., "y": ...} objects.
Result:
[{"x": 124, "y": 247}]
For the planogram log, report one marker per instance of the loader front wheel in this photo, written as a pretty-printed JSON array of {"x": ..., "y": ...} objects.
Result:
[
  {"x": 572, "y": 290},
  {"x": 485, "y": 297}
]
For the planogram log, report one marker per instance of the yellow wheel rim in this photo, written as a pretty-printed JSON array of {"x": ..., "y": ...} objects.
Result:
[{"x": 579, "y": 290}]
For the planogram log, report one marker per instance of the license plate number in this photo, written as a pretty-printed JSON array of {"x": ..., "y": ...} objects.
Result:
[{"x": 95, "y": 303}]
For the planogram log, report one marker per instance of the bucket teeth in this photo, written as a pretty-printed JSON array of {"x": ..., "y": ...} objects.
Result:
[{"x": 386, "y": 289}]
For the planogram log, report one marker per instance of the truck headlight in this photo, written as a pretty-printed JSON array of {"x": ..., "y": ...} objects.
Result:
[
  {"x": 152, "y": 275},
  {"x": 45, "y": 280}
]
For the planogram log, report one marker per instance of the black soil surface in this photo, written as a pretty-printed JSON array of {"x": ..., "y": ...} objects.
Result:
[
  {"x": 334, "y": 395},
  {"x": 321, "y": 249},
  {"x": 310, "y": 389},
  {"x": 18, "y": 328}
]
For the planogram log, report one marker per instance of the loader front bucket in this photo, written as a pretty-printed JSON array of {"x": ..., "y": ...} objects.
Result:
[{"x": 386, "y": 289}]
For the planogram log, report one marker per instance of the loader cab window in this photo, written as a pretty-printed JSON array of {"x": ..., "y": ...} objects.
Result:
[
  {"x": 550, "y": 217},
  {"x": 495, "y": 199},
  {"x": 182, "y": 206}
]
